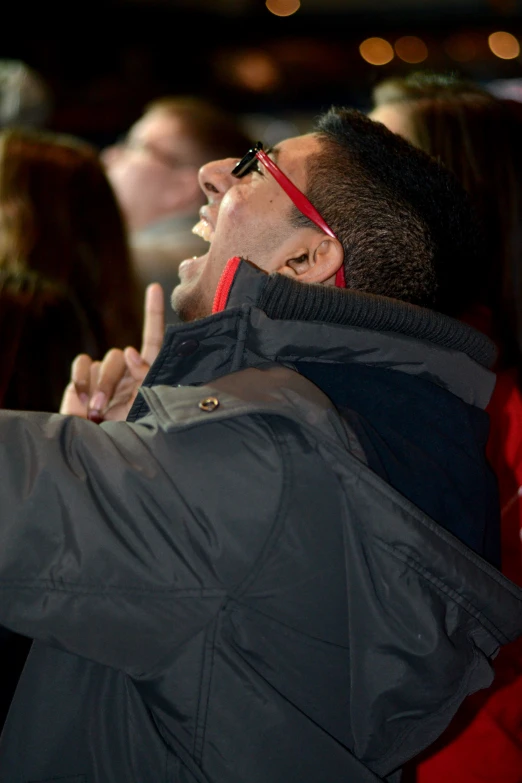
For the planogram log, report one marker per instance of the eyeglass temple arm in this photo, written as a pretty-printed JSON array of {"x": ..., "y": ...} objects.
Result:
[{"x": 295, "y": 194}]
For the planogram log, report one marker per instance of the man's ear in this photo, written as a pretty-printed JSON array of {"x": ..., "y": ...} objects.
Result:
[{"x": 318, "y": 263}]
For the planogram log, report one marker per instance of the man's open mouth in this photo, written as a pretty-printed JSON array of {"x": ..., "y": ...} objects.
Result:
[{"x": 204, "y": 230}]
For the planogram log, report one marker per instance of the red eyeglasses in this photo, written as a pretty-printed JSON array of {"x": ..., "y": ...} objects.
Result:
[{"x": 299, "y": 199}]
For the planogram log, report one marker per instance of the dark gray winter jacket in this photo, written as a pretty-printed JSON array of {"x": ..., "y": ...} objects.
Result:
[{"x": 235, "y": 585}]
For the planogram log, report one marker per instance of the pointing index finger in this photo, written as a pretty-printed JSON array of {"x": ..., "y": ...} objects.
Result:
[{"x": 153, "y": 322}]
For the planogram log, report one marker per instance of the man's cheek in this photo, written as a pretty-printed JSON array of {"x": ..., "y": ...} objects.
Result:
[{"x": 233, "y": 207}]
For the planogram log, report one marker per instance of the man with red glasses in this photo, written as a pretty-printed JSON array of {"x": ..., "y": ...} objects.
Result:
[{"x": 276, "y": 568}]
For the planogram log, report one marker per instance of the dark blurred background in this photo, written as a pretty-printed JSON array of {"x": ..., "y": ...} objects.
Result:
[{"x": 105, "y": 59}]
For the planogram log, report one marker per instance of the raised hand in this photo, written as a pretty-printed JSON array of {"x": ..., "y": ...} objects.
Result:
[{"x": 105, "y": 391}]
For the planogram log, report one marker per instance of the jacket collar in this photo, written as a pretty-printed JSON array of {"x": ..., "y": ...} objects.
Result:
[
  {"x": 263, "y": 319},
  {"x": 283, "y": 299}
]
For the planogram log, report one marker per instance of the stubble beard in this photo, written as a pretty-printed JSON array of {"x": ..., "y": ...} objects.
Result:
[{"x": 188, "y": 305}]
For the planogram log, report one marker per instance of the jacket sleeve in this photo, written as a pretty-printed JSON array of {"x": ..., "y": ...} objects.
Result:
[{"x": 120, "y": 541}]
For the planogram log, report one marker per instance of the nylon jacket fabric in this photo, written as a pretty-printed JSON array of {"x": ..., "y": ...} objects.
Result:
[{"x": 222, "y": 589}]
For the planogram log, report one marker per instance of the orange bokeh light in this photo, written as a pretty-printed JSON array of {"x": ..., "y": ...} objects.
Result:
[
  {"x": 504, "y": 45},
  {"x": 283, "y": 7},
  {"x": 255, "y": 70},
  {"x": 411, "y": 49},
  {"x": 376, "y": 51},
  {"x": 462, "y": 47}
]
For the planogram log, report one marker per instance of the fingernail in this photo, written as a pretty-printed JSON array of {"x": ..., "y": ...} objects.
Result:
[
  {"x": 84, "y": 399},
  {"x": 98, "y": 401},
  {"x": 135, "y": 357}
]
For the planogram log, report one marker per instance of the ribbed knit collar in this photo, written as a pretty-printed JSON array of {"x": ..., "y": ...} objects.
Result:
[{"x": 283, "y": 299}]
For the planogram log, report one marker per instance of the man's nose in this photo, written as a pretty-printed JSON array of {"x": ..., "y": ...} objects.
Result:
[
  {"x": 215, "y": 178},
  {"x": 110, "y": 155}
]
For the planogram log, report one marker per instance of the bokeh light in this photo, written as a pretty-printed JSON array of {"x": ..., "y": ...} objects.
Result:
[
  {"x": 462, "y": 47},
  {"x": 376, "y": 51},
  {"x": 250, "y": 69},
  {"x": 283, "y": 7},
  {"x": 256, "y": 71},
  {"x": 504, "y": 45},
  {"x": 411, "y": 49}
]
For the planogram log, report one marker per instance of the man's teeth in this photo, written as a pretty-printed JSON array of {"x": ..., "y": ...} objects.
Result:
[{"x": 203, "y": 230}]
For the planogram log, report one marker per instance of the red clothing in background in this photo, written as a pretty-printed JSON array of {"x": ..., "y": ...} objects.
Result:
[
  {"x": 505, "y": 455},
  {"x": 484, "y": 742}
]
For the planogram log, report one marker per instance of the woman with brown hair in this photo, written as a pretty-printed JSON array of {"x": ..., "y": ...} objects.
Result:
[
  {"x": 479, "y": 138},
  {"x": 66, "y": 286},
  {"x": 59, "y": 217}
]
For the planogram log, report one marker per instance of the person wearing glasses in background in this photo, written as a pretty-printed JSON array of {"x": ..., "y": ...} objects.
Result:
[
  {"x": 277, "y": 562},
  {"x": 154, "y": 172}
]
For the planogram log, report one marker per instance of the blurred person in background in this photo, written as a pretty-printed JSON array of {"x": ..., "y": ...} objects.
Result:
[
  {"x": 26, "y": 99},
  {"x": 154, "y": 173},
  {"x": 479, "y": 138},
  {"x": 59, "y": 217}
]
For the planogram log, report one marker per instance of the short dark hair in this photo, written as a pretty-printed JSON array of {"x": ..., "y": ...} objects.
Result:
[{"x": 399, "y": 214}]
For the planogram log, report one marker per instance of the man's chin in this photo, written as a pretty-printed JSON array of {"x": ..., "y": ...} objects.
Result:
[{"x": 187, "y": 301}]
